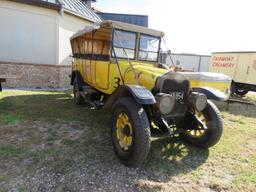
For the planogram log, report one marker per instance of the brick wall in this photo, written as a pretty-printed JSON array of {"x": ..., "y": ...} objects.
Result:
[{"x": 20, "y": 75}]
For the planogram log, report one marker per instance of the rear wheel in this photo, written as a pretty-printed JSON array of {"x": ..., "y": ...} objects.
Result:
[
  {"x": 236, "y": 90},
  {"x": 241, "y": 92},
  {"x": 79, "y": 100},
  {"x": 233, "y": 88},
  {"x": 130, "y": 132},
  {"x": 205, "y": 138}
]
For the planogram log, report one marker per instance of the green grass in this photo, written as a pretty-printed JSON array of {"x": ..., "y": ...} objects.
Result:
[
  {"x": 9, "y": 119},
  {"x": 33, "y": 106},
  {"x": 40, "y": 129},
  {"x": 11, "y": 150}
]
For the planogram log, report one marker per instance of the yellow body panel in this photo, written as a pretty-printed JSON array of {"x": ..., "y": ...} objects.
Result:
[
  {"x": 222, "y": 86},
  {"x": 102, "y": 74},
  {"x": 105, "y": 76},
  {"x": 94, "y": 73}
]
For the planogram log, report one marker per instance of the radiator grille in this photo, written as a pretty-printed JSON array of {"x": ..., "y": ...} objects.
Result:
[{"x": 178, "y": 89}]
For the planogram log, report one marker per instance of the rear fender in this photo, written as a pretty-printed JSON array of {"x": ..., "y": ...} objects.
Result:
[
  {"x": 212, "y": 93},
  {"x": 140, "y": 94}
]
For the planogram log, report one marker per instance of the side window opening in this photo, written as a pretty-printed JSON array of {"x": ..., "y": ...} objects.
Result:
[
  {"x": 92, "y": 46},
  {"x": 124, "y": 44}
]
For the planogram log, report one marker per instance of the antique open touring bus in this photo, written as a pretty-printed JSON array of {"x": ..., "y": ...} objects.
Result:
[{"x": 116, "y": 66}]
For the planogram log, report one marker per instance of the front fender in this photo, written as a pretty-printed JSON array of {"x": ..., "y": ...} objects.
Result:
[
  {"x": 211, "y": 93},
  {"x": 139, "y": 93}
]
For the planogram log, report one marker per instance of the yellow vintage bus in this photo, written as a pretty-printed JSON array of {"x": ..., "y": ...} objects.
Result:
[{"x": 116, "y": 67}]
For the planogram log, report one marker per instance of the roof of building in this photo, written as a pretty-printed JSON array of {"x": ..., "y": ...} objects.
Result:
[
  {"x": 74, "y": 7},
  {"x": 80, "y": 8}
]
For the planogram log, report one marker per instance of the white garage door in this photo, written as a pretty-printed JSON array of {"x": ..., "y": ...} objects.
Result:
[{"x": 27, "y": 36}]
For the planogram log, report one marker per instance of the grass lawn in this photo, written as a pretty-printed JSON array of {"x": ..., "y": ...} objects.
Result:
[{"x": 47, "y": 143}]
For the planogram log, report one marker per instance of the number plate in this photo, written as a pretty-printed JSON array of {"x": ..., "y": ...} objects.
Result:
[{"x": 177, "y": 94}]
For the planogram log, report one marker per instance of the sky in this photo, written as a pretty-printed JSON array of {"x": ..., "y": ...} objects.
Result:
[{"x": 195, "y": 26}]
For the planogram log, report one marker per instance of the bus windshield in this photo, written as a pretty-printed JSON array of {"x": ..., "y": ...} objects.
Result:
[
  {"x": 149, "y": 47},
  {"x": 124, "y": 45}
]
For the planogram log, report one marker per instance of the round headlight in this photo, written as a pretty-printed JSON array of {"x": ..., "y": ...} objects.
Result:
[
  {"x": 198, "y": 101},
  {"x": 201, "y": 102},
  {"x": 165, "y": 103}
]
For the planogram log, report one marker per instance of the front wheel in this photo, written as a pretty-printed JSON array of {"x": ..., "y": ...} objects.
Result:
[
  {"x": 205, "y": 138},
  {"x": 130, "y": 132}
]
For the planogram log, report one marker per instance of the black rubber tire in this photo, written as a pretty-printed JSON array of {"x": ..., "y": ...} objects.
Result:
[
  {"x": 214, "y": 131},
  {"x": 241, "y": 92},
  {"x": 140, "y": 146},
  {"x": 79, "y": 100},
  {"x": 233, "y": 88}
]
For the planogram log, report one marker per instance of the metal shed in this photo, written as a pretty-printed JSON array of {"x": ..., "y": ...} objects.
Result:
[
  {"x": 141, "y": 20},
  {"x": 193, "y": 62}
]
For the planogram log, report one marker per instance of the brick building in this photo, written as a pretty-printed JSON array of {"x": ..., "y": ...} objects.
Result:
[{"x": 34, "y": 40}]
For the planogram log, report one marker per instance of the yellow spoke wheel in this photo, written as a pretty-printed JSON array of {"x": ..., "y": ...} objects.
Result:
[
  {"x": 130, "y": 132},
  {"x": 124, "y": 131},
  {"x": 198, "y": 133},
  {"x": 204, "y": 138}
]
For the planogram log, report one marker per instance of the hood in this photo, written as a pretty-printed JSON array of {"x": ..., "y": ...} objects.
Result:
[
  {"x": 147, "y": 74},
  {"x": 206, "y": 76}
]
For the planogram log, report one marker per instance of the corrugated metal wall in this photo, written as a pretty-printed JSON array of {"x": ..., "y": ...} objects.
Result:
[
  {"x": 190, "y": 62},
  {"x": 141, "y": 20}
]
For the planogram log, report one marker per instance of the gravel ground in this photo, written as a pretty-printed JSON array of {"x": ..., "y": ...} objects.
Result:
[
  {"x": 74, "y": 169},
  {"x": 49, "y": 144}
]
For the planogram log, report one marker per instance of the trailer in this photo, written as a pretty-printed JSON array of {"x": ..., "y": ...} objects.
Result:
[{"x": 240, "y": 66}]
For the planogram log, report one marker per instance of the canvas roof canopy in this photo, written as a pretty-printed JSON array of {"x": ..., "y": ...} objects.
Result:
[{"x": 105, "y": 27}]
